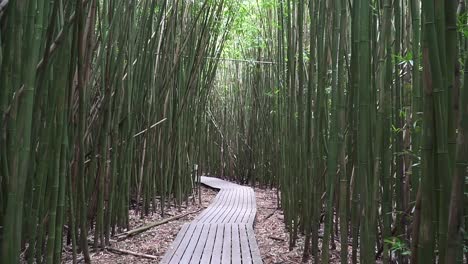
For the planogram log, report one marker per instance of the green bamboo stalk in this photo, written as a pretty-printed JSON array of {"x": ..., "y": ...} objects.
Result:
[
  {"x": 13, "y": 223},
  {"x": 332, "y": 159},
  {"x": 432, "y": 82},
  {"x": 367, "y": 233},
  {"x": 456, "y": 210},
  {"x": 341, "y": 103}
]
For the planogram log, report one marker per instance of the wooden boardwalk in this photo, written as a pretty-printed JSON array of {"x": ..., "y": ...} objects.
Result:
[{"x": 223, "y": 233}]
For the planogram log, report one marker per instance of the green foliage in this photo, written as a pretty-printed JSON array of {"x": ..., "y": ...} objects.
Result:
[
  {"x": 274, "y": 93},
  {"x": 398, "y": 246},
  {"x": 465, "y": 238},
  {"x": 399, "y": 59},
  {"x": 247, "y": 29},
  {"x": 462, "y": 27},
  {"x": 396, "y": 130},
  {"x": 417, "y": 126}
]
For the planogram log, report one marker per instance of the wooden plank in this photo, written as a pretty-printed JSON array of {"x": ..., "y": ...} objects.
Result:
[
  {"x": 218, "y": 210},
  {"x": 186, "y": 246},
  {"x": 183, "y": 245},
  {"x": 208, "y": 250},
  {"x": 223, "y": 233},
  {"x": 197, "y": 253},
  {"x": 230, "y": 218},
  {"x": 239, "y": 214},
  {"x": 236, "y": 251},
  {"x": 192, "y": 244},
  {"x": 250, "y": 217},
  {"x": 244, "y": 242},
  {"x": 218, "y": 245},
  {"x": 213, "y": 209},
  {"x": 175, "y": 245},
  {"x": 217, "y": 183},
  {"x": 254, "y": 210},
  {"x": 207, "y": 212},
  {"x": 254, "y": 250},
  {"x": 229, "y": 209},
  {"x": 226, "y": 256},
  {"x": 247, "y": 206}
]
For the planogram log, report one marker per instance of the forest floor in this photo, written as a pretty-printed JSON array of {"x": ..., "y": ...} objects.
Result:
[
  {"x": 154, "y": 241},
  {"x": 270, "y": 231},
  {"x": 273, "y": 237}
]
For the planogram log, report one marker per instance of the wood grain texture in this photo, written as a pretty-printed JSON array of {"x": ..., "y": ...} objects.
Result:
[{"x": 223, "y": 233}]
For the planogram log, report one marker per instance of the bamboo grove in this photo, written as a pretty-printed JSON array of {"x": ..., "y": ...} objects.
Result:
[
  {"x": 357, "y": 110},
  {"x": 102, "y": 110}
]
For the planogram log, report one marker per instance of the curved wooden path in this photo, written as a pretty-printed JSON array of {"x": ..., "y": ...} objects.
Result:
[{"x": 223, "y": 233}]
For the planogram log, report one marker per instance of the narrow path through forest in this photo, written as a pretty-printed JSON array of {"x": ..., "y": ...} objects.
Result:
[{"x": 223, "y": 233}]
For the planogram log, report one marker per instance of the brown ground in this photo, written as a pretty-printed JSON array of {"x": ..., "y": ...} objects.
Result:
[
  {"x": 272, "y": 236},
  {"x": 270, "y": 231},
  {"x": 154, "y": 241}
]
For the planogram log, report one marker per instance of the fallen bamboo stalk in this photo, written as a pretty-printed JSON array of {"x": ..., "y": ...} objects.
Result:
[
  {"x": 133, "y": 232},
  {"x": 123, "y": 251},
  {"x": 268, "y": 216},
  {"x": 277, "y": 238}
]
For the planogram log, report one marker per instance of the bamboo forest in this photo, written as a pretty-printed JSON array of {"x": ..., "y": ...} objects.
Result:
[{"x": 352, "y": 114}]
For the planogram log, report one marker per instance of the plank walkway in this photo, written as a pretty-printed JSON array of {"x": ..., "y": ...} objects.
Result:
[{"x": 223, "y": 233}]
